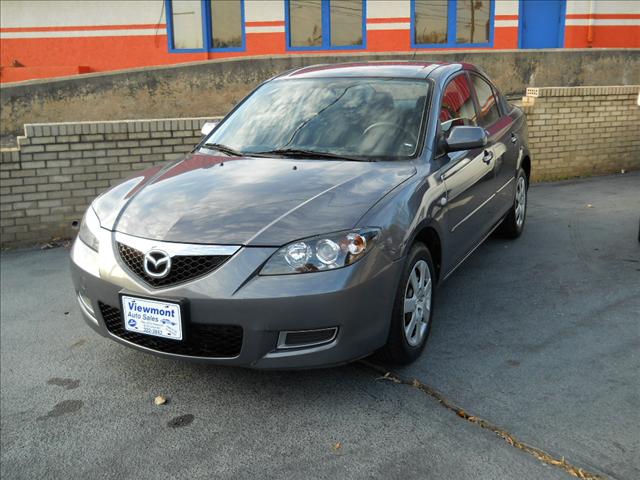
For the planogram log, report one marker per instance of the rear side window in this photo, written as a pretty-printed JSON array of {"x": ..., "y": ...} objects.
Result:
[
  {"x": 489, "y": 112},
  {"x": 457, "y": 105}
]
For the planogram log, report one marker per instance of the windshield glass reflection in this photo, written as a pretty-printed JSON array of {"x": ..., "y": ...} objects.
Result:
[{"x": 364, "y": 118}]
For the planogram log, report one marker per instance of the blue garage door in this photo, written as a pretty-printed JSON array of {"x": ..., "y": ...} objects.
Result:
[{"x": 542, "y": 23}]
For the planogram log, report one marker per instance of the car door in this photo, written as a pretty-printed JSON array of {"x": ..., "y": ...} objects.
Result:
[
  {"x": 467, "y": 175},
  {"x": 502, "y": 145}
]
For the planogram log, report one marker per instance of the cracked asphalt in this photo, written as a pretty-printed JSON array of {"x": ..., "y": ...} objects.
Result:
[{"x": 540, "y": 336}]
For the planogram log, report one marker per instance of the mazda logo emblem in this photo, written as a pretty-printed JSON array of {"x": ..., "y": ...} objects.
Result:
[{"x": 157, "y": 263}]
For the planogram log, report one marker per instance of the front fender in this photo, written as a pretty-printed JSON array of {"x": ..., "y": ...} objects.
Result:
[{"x": 406, "y": 211}]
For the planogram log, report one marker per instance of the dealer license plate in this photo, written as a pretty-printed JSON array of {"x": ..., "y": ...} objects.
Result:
[{"x": 152, "y": 317}]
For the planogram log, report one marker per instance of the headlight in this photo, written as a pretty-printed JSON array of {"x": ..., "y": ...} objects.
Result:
[
  {"x": 89, "y": 229},
  {"x": 321, "y": 253}
]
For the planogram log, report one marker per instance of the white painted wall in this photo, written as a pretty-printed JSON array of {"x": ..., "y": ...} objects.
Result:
[
  {"x": 264, "y": 10},
  {"x": 66, "y": 13},
  {"x": 388, "y": 9},
  {"x": 58, "y": 13},
  {"x": 506, "y": 7},
  {"x": 603, "y": 6}
]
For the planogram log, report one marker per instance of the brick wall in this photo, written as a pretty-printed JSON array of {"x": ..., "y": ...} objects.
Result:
[
  {"x": 577, "y": 131},
  {"x": 58, "y": 169}
]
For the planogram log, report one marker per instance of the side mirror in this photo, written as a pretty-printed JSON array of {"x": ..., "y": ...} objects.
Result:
[
  {"x": 208, "y": 127},
  {"x": 465, "y": 138}
]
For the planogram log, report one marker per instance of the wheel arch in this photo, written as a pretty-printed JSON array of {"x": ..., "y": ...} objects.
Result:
[
  {"x": 525, "y": 164},
  {"x": 429, "y": 234}
]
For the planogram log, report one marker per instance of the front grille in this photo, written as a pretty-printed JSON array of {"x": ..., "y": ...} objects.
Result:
[
  {"x": 183, "y": 267},
  {"x": 200, "y": 340}
]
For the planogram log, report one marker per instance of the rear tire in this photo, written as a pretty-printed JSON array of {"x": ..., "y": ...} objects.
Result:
[
  {"x": 412, "y": 309},
  {"x": 513, "y": 224}
]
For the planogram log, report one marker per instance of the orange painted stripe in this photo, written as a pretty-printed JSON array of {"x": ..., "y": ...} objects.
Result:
[
  {"x": 596, "y": 16},
  {"x": 275, "y": 23},
  {"x": 83, "y": 28},
  {"x": 506, "y": 17},
  {"x": 388, "y": 20}
]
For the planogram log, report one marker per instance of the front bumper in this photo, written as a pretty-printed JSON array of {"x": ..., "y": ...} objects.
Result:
[{"x": 358, "y": 300}]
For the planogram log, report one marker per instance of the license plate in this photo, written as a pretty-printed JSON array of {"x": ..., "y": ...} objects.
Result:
[{"x": 152, "y": 317}]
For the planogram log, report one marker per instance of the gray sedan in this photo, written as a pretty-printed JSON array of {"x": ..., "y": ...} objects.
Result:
[{"x": 311, "y": 226}]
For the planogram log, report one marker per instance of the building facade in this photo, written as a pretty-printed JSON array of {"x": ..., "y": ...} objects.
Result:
[{"x": 49, "y": 38}]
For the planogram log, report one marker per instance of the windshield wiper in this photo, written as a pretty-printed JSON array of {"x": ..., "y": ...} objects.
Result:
[
  {"x": 297, "y": 152},
  {"x": 224, "y": 149}
]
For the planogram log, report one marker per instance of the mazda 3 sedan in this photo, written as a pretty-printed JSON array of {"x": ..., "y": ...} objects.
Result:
[{"x": 311, "y": 226}]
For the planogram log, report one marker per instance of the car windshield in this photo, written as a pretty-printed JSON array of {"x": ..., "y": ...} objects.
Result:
[{"x": 352, "y": 118}]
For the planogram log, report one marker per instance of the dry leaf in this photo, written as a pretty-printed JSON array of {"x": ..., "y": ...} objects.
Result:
[
  {"x": 337, "y": 446},
  {"x": 160, "y": 400}
]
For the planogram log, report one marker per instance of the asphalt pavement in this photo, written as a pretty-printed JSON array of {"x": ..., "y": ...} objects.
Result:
[{"x": 538, "y": 336}]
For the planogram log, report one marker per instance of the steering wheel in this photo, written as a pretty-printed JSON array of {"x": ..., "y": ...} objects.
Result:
[{"x": 395, "y": 127}]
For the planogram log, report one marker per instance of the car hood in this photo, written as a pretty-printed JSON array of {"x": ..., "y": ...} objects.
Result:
[{"x": 247, "y": 201}]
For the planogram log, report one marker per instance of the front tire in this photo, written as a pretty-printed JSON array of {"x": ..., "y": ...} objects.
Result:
[
  {"x": 513, "y": 224},
  {"x": 412, "y": 309}
]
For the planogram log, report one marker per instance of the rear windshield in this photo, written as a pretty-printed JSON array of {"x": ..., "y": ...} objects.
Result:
[{"x": 363, "y": 118}]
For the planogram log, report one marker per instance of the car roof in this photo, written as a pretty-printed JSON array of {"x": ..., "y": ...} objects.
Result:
[{"x": 384, "y": 69}]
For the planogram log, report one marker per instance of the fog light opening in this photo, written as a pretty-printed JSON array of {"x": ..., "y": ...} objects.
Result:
[
  {"x": 86, "y": 306},
  {"x": 306, "y": 338}
]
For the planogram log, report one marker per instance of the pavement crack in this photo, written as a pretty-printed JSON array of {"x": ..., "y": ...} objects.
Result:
[{"x": 538, "y": 453}]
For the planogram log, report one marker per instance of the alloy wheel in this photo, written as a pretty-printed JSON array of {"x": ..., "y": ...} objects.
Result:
[{"x": 417, "y": 303}]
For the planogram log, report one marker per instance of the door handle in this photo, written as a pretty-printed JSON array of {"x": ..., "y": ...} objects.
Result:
[
  {"x": 487, "y": 157},
  {"x": 514, "y": 138}
]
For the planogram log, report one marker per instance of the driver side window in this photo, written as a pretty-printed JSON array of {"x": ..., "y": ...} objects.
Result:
[
  {"x": 489, "y": 112},
  {"x": 457, "y": 105}
]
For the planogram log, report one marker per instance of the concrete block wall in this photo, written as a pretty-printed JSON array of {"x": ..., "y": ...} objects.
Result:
[
  {"x": 57, "y": 169},
  {"x": 577, "y": 131},
  {"x": 200, "y": 89}
]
